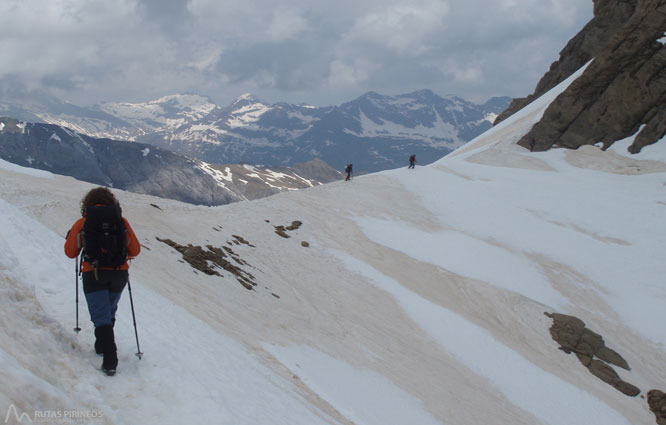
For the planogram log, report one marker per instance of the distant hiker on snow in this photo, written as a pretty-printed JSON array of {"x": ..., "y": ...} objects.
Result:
[
  {"x": 107, "y": 241},
  {"x": 348, "y": 170},
  {"x": 412, "y": 161}
]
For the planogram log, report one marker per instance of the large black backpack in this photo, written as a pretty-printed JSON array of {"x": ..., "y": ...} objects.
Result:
[{"x": 104, "y": 237}]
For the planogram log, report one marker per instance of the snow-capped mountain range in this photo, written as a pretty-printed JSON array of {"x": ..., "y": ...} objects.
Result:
[{"x": 374, "y": 132}]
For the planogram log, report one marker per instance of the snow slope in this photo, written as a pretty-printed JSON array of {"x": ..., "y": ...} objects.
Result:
[{"x": 419, "y": 300}]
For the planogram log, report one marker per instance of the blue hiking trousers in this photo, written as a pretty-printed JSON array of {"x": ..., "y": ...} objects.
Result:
[{"x": 103, "y": 294}]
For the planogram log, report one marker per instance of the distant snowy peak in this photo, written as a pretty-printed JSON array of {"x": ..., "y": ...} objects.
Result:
[
  {"x": 169, "y": 111},
  {"x": 186, "y": 101},
  {"x": 419, "y": 97},
  {"x": 420, "y": 115},
  {"x": 245, "y": 98},
  {"x": 246, "y": 111}
]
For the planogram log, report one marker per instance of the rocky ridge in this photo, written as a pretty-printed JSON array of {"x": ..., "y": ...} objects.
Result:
[{"x": 622, "y": 91}]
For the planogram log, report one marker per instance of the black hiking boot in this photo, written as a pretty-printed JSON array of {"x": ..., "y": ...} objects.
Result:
[{"x": 107, "y": 345}]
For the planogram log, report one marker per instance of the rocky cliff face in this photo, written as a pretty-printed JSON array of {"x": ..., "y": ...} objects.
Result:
[{"x": 621, "y": 92}]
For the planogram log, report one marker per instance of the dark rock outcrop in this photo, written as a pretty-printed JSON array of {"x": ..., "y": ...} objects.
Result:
[
  {"x": 620, "y": 93},
  {"x": 587, "y": 44},
  {"x": 657, "y": 402},
  {"x": 574, "y": 337},
  {"x": 282, "y": 230}
]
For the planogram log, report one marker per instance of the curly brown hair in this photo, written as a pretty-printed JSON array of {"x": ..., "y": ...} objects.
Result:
[{"x": 97, "y": 196}]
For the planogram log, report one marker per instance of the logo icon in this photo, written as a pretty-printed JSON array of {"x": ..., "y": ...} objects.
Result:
[{"x": 19, "y": 418}]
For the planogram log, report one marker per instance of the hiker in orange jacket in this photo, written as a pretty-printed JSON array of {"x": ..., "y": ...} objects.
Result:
[{"x": 102, "y": 286}]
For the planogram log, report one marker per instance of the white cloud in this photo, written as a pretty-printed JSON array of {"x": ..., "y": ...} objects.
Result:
[
  {"x": 471, "y": 74},
  {"x": 402, "y": 26},
  {"x": 286, "y": 24},
  {"x": 350, "y": 75}
]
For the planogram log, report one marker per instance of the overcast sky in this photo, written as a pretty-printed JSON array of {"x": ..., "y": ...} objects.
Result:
[{"x": 321, "y": 52}]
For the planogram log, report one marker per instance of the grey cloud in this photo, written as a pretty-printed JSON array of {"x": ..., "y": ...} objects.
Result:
[
  {"x": 296, "y": 51},
  {"x": 62, "y": 82},
  {"x": 289, "y": 65},
  {"x": 171, "y": 15}
]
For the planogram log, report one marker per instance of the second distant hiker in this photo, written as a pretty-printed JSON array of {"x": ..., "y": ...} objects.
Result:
[
  {"x": 412, "y": 161},
  {"x": 348, "y": 170}
]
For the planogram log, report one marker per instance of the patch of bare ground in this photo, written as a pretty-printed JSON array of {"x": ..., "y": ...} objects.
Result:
[{"x": 211, "y": 259}]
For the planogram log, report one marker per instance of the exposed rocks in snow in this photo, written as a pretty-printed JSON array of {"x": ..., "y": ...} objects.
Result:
[
  {"x": 607, "y": 374},
  {"x": 573, "y": 337},
  {"x": 211, "y": 259},
  {"x": 238, "y": 240},
  {"x": 657, "y": 403},
  {"x": 282, "y": 230},
  {"x": 294, "y": 225}
]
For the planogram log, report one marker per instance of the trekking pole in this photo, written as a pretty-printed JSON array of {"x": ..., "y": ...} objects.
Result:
[
  {"x": 77, "y": 329},
  {"x": 136, "y": 334}
]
